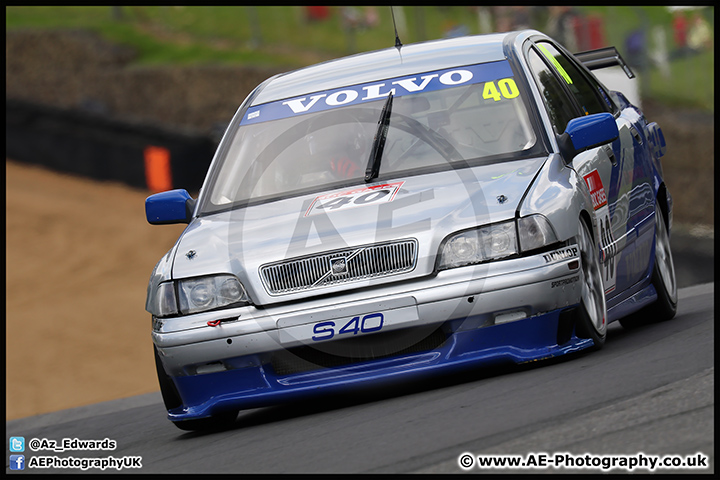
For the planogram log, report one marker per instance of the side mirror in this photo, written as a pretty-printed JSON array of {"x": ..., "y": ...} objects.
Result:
[
  {"x": 657, "y": 139},
  {"x": 173, "y": 206},
  {"x": 584, "y": 133}
]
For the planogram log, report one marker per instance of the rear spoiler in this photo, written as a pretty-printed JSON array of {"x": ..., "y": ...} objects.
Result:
[{"x": 603, "y": 58}]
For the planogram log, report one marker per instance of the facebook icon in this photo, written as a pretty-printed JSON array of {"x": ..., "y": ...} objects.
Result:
[{"x": 17, "y": 462}]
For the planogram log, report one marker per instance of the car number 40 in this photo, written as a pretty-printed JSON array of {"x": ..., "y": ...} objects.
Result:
[{"x": 370, "y": 323}]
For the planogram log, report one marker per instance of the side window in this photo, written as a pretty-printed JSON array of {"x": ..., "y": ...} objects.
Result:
[
  {"x": 602, "y": 91},
  {"x": 558, "y": 105},
  {"x": 586, "y": 94}
]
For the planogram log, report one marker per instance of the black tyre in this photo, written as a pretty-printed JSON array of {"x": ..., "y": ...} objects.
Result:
[
  {"x": 663, "y": 279},
  {"x": 219, "y": 421},
  {"x": 170, "y": 395},
  {"x": 591, "y": 322},
  {"x": 171, "y": 399}
]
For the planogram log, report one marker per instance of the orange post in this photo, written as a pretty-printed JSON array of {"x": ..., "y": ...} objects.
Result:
[{"x": 158, "y": 175}]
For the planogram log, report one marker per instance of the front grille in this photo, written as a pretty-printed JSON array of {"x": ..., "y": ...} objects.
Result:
[
  {"x": 339, "y": 266},
  {"x": 355, "y": 350}
]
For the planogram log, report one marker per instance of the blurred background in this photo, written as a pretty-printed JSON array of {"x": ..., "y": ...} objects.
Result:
[
  {"x": 98, "y": 97},
  {"x": 188, "y": 68},
  {"x": 673, "y": 46}
]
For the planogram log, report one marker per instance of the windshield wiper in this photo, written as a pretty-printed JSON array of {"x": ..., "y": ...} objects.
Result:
[{"x": 373, "y": 168}]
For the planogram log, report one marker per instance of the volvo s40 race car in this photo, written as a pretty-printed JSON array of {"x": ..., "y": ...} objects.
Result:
[{"x": 413, "y": 210}]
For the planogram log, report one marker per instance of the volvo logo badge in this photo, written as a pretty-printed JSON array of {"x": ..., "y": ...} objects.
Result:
[{"x": 338, "y": 266}]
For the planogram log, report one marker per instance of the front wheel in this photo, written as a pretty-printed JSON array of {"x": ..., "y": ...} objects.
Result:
[
  {"x": 171, "y": 399},
  {"x": 218, "y": 421},
  {"x": 591, "y": 322},
  {"x": 170, "y": 395}
]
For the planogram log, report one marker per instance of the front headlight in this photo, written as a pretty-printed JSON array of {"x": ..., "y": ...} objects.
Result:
[
  {"x": 535, "y": 231},
  {"x": 208, "y": 293},
  {"x": 490, "y": 242},
  {"x": 196, "y": 295},
  {"x": 164, "y": 303}
]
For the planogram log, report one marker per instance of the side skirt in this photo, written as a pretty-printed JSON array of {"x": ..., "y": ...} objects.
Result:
[{"x": 632, "y": 304}]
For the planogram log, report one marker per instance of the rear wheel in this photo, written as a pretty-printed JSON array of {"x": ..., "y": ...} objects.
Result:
[
  {"x": 663, "y": 279},
  {"x": 592, "y": 316}
]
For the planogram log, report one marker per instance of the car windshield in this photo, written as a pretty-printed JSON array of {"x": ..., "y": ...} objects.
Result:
[{"x": 470, "y": 115}]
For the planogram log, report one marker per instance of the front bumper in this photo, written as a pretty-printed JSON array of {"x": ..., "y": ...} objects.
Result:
[{"x": 515, "y": 310}]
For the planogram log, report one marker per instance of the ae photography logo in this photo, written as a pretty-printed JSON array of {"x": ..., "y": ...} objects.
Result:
[
  {"x": 16, "y": 461},
  {"x": 17, "y": 444},
  {"x": 587, "y": 461}
]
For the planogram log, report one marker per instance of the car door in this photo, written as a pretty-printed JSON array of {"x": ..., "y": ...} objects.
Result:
[
  {"x": 631, "y": 194},
  {"x": 636, "y": 199},
  {"x": 568, "y": 93}
]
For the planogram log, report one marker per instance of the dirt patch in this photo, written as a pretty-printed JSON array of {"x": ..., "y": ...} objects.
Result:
[
  {"x": 689, "y": 165},
  {"x": 79, "y": 70},
  {"x": 79, "y": 256}
]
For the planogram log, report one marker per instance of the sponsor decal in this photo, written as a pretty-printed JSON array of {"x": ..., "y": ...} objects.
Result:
[
  {"x": 608, "y": 247},
  {"x": 565, "y": 281},
  {"x": 597, "y": 191},
  {"x": 357, "y": 197},
  {"x": 637, "y": 261},
  {"x": 398, "y": 86},
  {"x": 563, "y": 73},
  {"x": 561, "y": 254}
]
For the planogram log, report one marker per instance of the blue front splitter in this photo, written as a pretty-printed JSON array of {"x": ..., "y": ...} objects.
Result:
[{"x": 527, "y": 340}]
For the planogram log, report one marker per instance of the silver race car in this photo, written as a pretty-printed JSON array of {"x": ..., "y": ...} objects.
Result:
[{"x": 410, "y": 211}]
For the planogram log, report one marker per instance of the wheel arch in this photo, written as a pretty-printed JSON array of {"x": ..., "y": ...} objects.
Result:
[
  {"x": 663, "y": 199},
  {"x": 587, "y": 218},
  {"x": 570, "y": 199}
]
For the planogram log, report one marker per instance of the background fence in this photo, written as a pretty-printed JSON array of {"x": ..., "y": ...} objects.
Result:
[{"x": 99, "y": 147}]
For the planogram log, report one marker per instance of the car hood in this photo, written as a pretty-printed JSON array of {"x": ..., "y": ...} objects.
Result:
[{"x": 425, "y": 207}]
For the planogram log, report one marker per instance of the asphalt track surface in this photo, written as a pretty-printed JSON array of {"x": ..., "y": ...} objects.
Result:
[{"x": 649, "y": 390}]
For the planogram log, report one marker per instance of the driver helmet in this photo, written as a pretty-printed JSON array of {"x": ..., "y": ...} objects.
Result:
[{"x": 343, "y": 144}]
